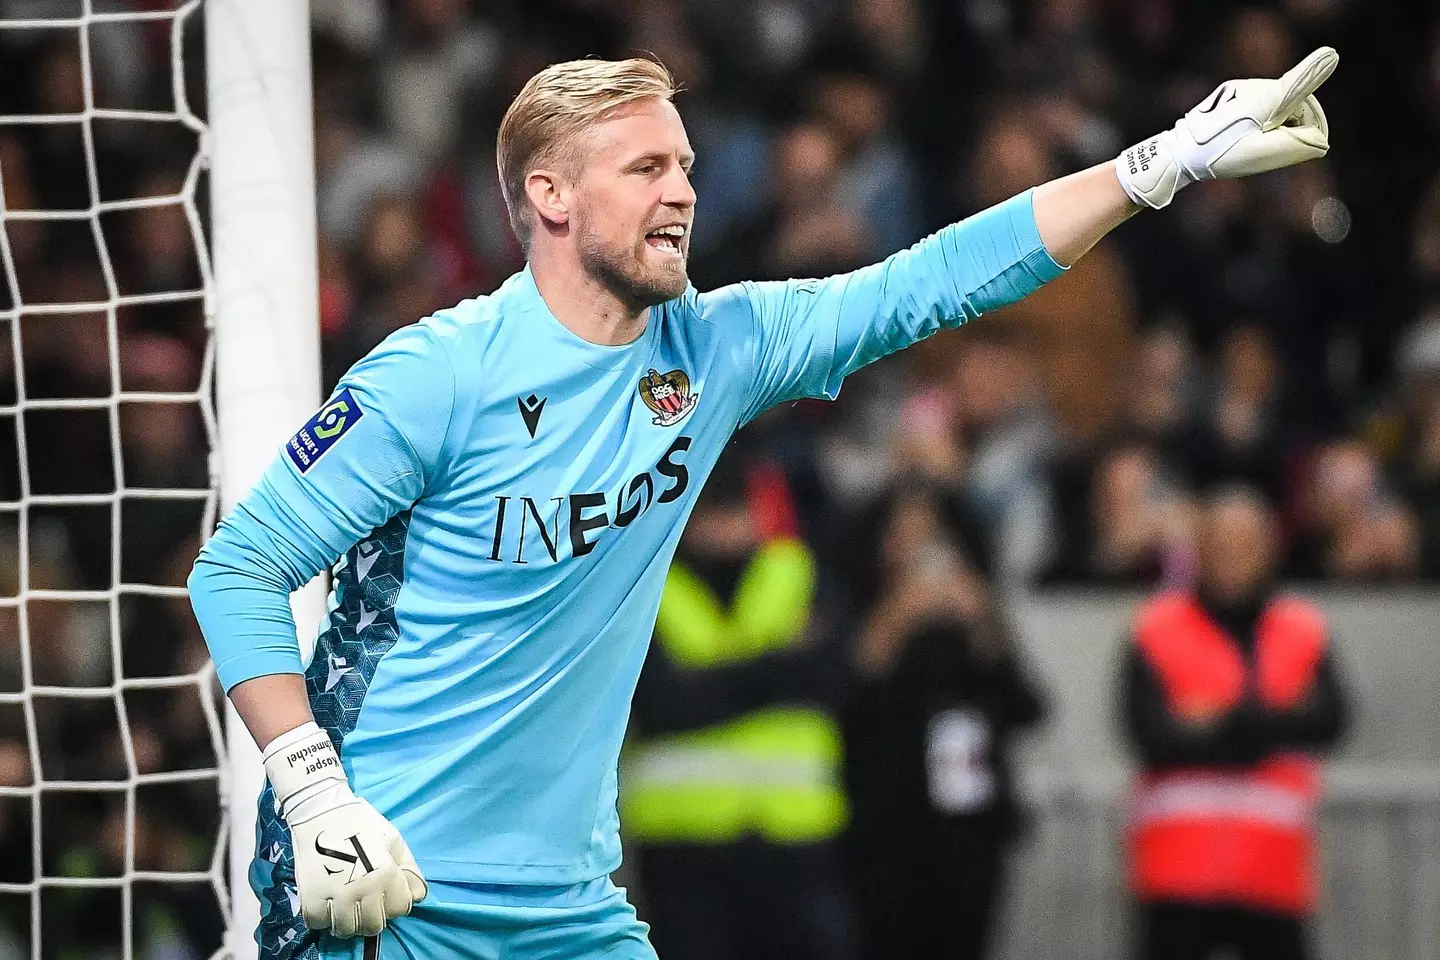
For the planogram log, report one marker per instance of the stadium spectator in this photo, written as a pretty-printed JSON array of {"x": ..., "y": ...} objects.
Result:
[
  {"x": 1161, "y": 395},
  {"x": 804, "y": 228},
  {"x": 436, "y": 54},
  {"x": 399, "y": 268},
  {"x": 938, "y": 694},
  {"x": 1138, "y": 522},
  {"x": 356, "y": 161},
  {"x": 1419, "y": 428},
  {"x": 1010, "y": 430},
  {"x": 877, "y": 172},
  {"x": 893, "y": 33},
  {"x": 1238, "y": 434},
  {"x": 731, "y": 784},
  {"x": 159, "y": 250},
  {"x": 1352, "y": 526},
  {"x": 1229, "y": 696}
]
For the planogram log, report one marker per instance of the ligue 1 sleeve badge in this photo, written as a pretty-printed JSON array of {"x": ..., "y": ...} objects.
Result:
[{"x": 668, "y": 396}]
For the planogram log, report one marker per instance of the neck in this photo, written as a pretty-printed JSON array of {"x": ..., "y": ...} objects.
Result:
[
  {"x": 1247, "y": 600},
  {"x": 1237, "y": 614},
  {"x": 583, "y": 304}
]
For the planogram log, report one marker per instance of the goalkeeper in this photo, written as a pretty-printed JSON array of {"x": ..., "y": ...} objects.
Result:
[{"x": 503, "y": 485}]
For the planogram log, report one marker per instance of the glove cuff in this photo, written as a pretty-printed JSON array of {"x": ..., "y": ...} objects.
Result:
[
  {"x": 1150, "y": 173},
  {"x": 303, "y": 763}
]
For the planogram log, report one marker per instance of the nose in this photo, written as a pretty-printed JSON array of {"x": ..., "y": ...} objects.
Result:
[{"x": 677, "y": 190}]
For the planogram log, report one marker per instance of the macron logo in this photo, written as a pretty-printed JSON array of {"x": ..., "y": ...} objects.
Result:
[
  {"x": 530, "y": 409},
  {"x": 365, "y": 560},
  {"x": 338, "y": 669},
  {"x": 367, "y": 617}
]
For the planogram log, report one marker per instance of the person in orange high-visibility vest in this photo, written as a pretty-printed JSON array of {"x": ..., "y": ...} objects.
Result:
[{"x": 1230, "y": 693}]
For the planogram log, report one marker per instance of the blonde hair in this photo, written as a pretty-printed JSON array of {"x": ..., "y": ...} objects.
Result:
[{"x": 543, "y": 124}]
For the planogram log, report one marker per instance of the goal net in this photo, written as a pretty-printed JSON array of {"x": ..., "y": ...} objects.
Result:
[{"x": 113, "y": 838}]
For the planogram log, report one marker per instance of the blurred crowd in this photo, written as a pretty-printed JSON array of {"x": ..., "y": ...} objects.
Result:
[
  {"x": 1281, "y": 332},
  {"x": 1284, "y": 331}
]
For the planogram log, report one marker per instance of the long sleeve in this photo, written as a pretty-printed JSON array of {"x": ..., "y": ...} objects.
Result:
[
  {"x": 807, "y": 335},
  {"x": 365, "y": 457},
  {"x": 1162, "y": 739},
  {"x": 1317, "y": 723}
]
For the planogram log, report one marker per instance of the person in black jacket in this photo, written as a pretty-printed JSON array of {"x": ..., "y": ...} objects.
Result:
[
  {"x": 735, "y": 817},
  {"x": 1229, "y": 693},
  {"x": 937, "y": 693}
]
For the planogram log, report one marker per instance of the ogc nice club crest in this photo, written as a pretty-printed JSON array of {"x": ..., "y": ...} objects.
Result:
[{"x": 668, "y": 396}]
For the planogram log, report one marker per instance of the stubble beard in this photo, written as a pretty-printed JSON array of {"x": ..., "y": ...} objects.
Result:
[{"x": 626, "y": 275}]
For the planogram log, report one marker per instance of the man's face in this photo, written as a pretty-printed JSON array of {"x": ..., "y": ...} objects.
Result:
[
  {"x": 635, "y": 206},
  {"x": 1237, "y": 547}
]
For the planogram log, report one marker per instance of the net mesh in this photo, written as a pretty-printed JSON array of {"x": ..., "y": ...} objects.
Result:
[{"x": 112, "y": 832}]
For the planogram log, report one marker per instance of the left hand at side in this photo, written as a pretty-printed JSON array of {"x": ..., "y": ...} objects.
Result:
[{"x": 1243, "y": 128}]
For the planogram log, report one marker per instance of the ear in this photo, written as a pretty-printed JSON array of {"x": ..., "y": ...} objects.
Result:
[{"x": 550, "y": 195}]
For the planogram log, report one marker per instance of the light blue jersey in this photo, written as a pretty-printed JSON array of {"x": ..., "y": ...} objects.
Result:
[{"x": 503, "y": 499}]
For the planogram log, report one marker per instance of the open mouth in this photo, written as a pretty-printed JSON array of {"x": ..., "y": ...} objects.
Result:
[{"x": 666, "y": 239}]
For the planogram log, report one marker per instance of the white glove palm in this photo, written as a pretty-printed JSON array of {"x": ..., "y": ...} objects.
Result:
[
  {"x": 353, "y": 870},
  {"x": 1245, "y": 127}
]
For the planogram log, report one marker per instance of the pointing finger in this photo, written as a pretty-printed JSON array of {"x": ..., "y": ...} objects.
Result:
[{"x": 1303, "y": 79}]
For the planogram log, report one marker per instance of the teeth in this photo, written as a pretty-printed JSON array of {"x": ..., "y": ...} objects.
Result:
[{"x": 668, "y": 238}]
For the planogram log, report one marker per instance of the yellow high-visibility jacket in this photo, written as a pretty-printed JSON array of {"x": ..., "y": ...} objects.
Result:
[{"x": 773, "y": 772}]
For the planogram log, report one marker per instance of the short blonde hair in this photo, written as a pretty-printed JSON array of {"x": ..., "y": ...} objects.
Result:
[{"x": 544, "y": 122}]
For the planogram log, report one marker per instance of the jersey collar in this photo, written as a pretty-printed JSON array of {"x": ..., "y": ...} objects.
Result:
[{"x": 599, "y": 355}]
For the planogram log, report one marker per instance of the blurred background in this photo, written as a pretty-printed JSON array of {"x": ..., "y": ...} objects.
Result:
[{"x": 977, "y": 519}]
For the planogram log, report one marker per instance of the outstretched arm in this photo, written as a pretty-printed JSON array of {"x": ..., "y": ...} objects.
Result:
[
  {"x": 803, "y": 337},
  {"x": 1244, "y": 127}
]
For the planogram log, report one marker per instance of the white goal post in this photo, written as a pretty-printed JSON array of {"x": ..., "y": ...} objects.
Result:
[{"x": 262, "y": 190}]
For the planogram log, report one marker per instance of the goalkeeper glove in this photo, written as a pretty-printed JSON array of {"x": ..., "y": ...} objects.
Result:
[
  {"x": 353, "y": 870},
  {"x": 1244, "y": 127}
]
